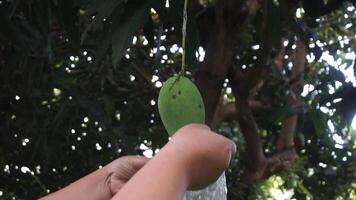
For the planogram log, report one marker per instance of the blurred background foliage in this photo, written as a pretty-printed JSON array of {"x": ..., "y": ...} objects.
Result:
[{"x": 79, "y": 82}]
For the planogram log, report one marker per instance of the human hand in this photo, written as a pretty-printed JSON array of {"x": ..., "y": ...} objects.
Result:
[
  {"x": 206, "y": 153},
  {"x": 194, "y": 158},
  {"x": 121, "y": 170}
]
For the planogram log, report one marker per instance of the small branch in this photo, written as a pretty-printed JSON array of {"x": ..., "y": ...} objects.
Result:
[
  {"x": 245, "y": 88},
  {"x": 278, "y": 60},
  {"x": 259, "y": 105},
  {"x": 241, "y": 87},
  {"x": 250, "y": 9},
  {"x": 211, "y": 75},
  {"x": 286, "y": 137},
  {"x": 249, "y": 129},
  {"x": 280, "y": 161},
  {"x": 226, "y": 112}
]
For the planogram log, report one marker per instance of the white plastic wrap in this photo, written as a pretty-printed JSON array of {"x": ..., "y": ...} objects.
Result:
[{"x": 215, "y": 191}]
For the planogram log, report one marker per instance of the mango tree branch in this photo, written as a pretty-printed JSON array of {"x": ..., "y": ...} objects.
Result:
[
  {"x": 286, "y": 154},
  {"x": 241, "y": 88},
  {"x": 226, "y": 112},
  {"x": 288, "y": 127},
  {"x": 219, "y": 48},
  {"x": 244, "y": 88}
]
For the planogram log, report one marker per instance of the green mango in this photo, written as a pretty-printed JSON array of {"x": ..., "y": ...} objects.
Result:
[{"x": 180, "y": 103}]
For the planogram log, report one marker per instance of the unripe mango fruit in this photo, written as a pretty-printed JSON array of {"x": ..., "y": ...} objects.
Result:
[{"x": 180, "y": 103}]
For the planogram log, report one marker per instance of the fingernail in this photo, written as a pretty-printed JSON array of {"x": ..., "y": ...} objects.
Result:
[
  {"x": 232, "y": 150},
  {"x": 230, "y": 157}
]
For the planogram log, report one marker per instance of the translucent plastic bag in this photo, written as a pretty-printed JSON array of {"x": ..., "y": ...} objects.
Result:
[{"x": 215, "y": 191}]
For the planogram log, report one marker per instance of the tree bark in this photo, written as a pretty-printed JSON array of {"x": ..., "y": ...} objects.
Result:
[
  {"x": 219, "y": 48},
  {"x": 218, "y": 66}
]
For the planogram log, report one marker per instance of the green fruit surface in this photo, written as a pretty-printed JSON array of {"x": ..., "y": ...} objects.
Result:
[{"x": 179, "y": 104}]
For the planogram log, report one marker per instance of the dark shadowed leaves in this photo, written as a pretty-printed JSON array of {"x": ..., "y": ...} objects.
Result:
[
  {"x": 337, "y": 74},
  {"x": 125, "y": 26},
  {"x": 274, "y": 25},
  {"x": 319, "y": 121},
  {"x": 102, "y": 10}
]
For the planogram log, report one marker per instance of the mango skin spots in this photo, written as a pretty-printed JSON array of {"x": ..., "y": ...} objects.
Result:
[{"x": 180, "y": 103}]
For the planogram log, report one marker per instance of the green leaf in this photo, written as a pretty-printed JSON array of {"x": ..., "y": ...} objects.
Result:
[
  {"x": 192, "y": 43},
  {"x": 284, "y": 112},
  {"x": 109, "y": 106},
  {"x": 319, "y": 121},
  {"x": 126, "y": 26},
  {"x": 104, "y": 10},
  {"x": 274, "y": 25},
  {"x": 318, "y": 52},
  {"x": 337, "y": 74},
  {"x": 304, "y": 190}
]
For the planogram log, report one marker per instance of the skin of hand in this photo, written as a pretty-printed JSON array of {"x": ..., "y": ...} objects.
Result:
[
  {"x": 103, "y": 183},
  {"x": 122, "y": 169},
  {"x": 194, "y": 158},
  {"x": 208, "y": 154}
]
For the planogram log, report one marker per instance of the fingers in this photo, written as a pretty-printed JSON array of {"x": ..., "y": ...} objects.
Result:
[
  {"x": 203, "y": 132},
  {"x": 231, "y": 148},
  {"x": 123, "y": 169},
  {"x": 127, "y": 166},
  {"x": 207, "y": 153},
  {"x": 192, "y": 128},
  {"x": 225, "y": 150},
  {"x": 229, "y": 144},
  {"x": 137, "y": 162},
  {"x": 200, "y": 126}
]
